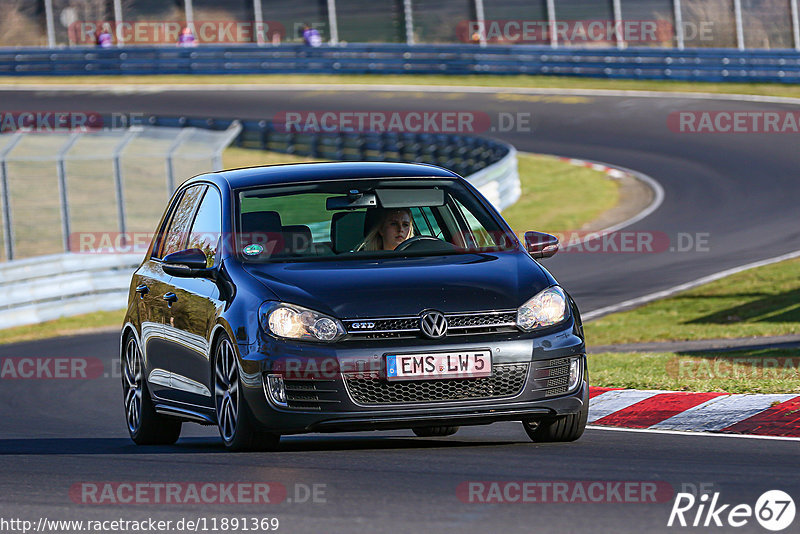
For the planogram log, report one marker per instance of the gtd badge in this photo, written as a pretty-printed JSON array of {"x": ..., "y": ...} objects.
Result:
[{"x": 363, "y": 326}]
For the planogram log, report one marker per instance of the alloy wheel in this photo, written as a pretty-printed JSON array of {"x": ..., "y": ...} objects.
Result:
[
  {"x": 226, "y": 390},
  {"x": 132, "y": 382}
]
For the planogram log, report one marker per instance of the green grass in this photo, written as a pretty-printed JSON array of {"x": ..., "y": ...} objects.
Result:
[
  {"x": 759, "y": 302},
  {"x": 529, "y": 81},
  {"x": 558, "y": 197},
  {"x": 65, "y": 326},
  {"x": 546, "y": 183},
  {"x": 758, "y": 371}
]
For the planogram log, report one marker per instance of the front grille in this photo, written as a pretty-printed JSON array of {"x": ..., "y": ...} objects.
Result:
[
  {"x": 309, "y": 394},
  {"x": 550, "y": 377},
  {"x": 408, "y": 327},
  {"x": 459, "y": 322},
  {"x": 507, "y": 380}
]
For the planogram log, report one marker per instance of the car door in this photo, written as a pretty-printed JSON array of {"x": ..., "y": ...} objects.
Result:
[
  {"x": 151, "y": 282},
  {"x": 193, "y": 314},
  {"x": 157, "y": 300}
]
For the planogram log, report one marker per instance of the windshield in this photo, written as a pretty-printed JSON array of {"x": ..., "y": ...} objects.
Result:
[{"x": 358, "y": 218}]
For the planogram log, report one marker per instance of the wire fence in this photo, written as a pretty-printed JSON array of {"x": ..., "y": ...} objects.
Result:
[
  {"x": 57, "y": 186},
  {"x": 742, "y": 24}
]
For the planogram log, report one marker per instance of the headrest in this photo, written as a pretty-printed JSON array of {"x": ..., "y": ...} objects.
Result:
[{"x": 347, "y": 230}]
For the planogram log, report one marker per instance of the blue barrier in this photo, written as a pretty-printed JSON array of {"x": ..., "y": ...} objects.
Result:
[{"x": 699, "y": 64}]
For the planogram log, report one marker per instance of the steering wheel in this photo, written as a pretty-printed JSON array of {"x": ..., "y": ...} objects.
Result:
[{"x": 412, "y": 241}]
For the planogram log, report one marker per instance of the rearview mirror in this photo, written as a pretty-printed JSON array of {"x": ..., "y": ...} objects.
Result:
[
  {"x": 186, "y": 263},
  {"x": 540, "y": 245}
]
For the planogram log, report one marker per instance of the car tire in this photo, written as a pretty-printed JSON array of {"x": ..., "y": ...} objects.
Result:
[
  {"x": 145, "y": 426},
  {"x": 237, "y": 426},
  {"x": 431, "y": 431},
  {"x": 558, "y": 429}
]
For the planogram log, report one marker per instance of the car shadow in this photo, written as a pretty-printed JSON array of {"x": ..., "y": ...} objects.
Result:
[
  {"x": 124, "y": 446},
  {"x": 769, "y": 308}
]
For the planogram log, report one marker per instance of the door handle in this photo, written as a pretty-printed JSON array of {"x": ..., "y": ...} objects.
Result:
[
  {"x": 170, "y": 297},
  {"x": 143, "y": 290}
]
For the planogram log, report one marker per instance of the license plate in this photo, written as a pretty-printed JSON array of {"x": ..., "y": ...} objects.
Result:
[{"x": 467, "y": 364}]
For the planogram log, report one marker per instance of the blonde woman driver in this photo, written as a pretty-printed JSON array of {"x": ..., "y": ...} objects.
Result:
[{"x": 387, "y": 228}]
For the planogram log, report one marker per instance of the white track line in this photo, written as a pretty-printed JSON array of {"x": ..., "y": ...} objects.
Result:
[
  {"x": 698, "y": 434},
  {"x": 652, "y": 183},
  {"x": 594, "y": 314},
  {"x": 397, "y": 88}
]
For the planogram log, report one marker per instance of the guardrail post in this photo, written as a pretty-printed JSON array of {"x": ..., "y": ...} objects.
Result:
[
  {"x": 258, "y": 16},
  {"x": 6, "y": 197},
  {"x": 233, "y": 131},
  {"x": 619, "y": 36},
  {"x": 188, "y": 10},
  {"x": 795, "y": 24},
  {"x": 183, "y": 134},
  {"x": 737, "y": 12},
  {"x": 51, "y": 31},
  {"x": 62, "y": 188},
  {"x": 479, "y": 14},
  {"x": 332, "y": 22},
  {"x": 408, "y": 15},
  {"x": 551, "y": 23},
  {"x": 117, "y": 154},
  {"x": 118, "y": 22},
  {"x": 678, "y": 10}
]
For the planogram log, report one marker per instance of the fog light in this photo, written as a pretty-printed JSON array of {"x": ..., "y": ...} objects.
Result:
[
  {"x": 276, "y": 389},
  {"x": 574, "y": 373}
]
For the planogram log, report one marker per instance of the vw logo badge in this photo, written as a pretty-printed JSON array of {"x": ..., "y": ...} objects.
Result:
[{"x": 433, "y": 324}]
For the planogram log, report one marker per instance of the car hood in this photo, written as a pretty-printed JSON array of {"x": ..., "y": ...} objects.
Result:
[{"x": 406, "y": 286}]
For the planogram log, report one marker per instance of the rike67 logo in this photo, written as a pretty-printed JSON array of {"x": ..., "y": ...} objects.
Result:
[{"x": 774, "y": 510}]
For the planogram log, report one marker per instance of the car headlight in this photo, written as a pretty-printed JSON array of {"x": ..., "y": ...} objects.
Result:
[
  {"x": 547, "y": 308},
  {"x": 296, "y": 322}
]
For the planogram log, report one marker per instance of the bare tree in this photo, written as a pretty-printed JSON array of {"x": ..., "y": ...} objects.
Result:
[{"x": 18, "y": 25}]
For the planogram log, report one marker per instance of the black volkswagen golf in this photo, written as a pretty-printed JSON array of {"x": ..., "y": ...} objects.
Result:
[{"x": 346, "y": 297}]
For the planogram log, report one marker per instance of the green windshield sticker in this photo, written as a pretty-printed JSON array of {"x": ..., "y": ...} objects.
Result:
[{"x": 253, "y": 250}]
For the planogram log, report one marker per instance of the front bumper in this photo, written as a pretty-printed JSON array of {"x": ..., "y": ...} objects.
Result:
[{"x": 325, "y": 373}]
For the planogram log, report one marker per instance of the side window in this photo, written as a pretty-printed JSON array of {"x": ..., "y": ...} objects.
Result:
[
  {"x": 479, "y": 233},
  {"x": 207, "y": 228},
  {"x": 420, "y": 223},
  {"x": 174, "y": 238}
]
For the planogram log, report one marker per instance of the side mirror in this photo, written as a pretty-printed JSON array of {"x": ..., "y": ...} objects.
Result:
[
  {"x": 186, "y": 263},
  {"x": 540, "y": 245}
]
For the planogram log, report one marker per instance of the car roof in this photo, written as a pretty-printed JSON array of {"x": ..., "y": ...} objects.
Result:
[{"x": 305, "y": 172}]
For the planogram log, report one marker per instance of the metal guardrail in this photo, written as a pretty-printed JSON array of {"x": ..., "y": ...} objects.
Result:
[
  {"x": 698, "y": 64},
  {"x": 40, "y": 289},
  {"x": 43, "y": 288},
  {"x": 75, "y": 155}
]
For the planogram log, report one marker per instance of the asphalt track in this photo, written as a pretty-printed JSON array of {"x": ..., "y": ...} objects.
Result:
[{"x": 739, "y": 190}]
